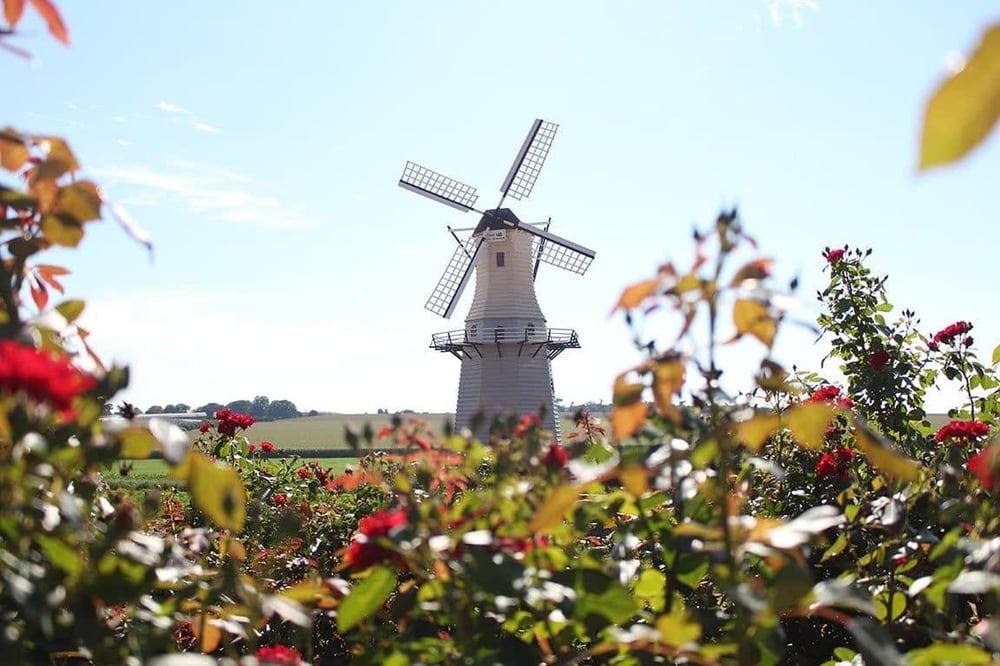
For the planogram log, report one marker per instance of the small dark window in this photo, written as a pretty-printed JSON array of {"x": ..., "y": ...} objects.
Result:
[{"x": 500, "y": 259}]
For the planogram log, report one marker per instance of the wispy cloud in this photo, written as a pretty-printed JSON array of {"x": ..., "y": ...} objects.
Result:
[
  {"x": 170, "y": 107},
  {"x": 217, "y": 194},
  {"x": 205, "y": 127},
  {"x": 779, "y": 10}
]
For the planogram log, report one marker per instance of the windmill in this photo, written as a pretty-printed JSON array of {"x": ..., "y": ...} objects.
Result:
[{"x": 506, "y": 348}]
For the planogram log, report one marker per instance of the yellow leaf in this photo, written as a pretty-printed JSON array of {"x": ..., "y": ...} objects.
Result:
[
  {"x": 137, "y": 443},
  {"x": 758, "y": 269},
  {"x": 677, "y": 629},
  {"x": 808, "y": 422},
  {"x": 81, "y": 201},
  {"x": 555, "y": 507},
  {"x": 59, "y": 159},
  {"x": 668, "y": 379},
  {"x": 62, "y": 230},
  {"x": 628, "y": 411},
  {"x": 755, "y": 432},
  {"x": 218, "y": 492},
  {"x": 689, "y": 282},
  {"x": 634, "y": 295},
  {"x": 210, "y": 638},
  {"x": 883, "y": 456},
  {"x": 750, "y": 316},
  {"x": 13, "y": 152},
  {"x": 963, "y": 110},
  {"x": 635, "y": 478}
]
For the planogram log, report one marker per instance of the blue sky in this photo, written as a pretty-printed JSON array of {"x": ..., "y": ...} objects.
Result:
[{"x": 260, "y": 143}]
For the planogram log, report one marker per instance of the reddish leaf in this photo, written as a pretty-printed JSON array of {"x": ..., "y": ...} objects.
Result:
[
  {"x": 39, "y": 294},
  {"x": 48, "y": 273},
  {"x": 12, "y": 10},
  {"x": 52, "y": 19},
  {"x": 634, "y": 295}
]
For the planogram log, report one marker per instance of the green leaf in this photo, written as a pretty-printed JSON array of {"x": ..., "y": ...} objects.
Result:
[
  {"x": 678, "y": 629},
  {"x": 996, "y": 355},
  {"x": 963, "y": 110},
  {"x": 62, "y": 229},
  {"x": 58, "y": 161},
  {"x": 81, "y": 201},
  {"x": 943, "y": 653},
  {"x": 874, "y": 643},
  {"x": 600, "y": 595},
  {"x": 366, "y": 597},
  {"x": 137, "y": 443},
  {"x": 61, "y": 554},
  {"x": 71, "y": 310},
  {"x": 218, "y": 492}
]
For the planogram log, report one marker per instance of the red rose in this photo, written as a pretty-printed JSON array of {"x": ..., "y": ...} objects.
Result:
[
  {"x": 251, "y": 448},
  {"x": 266, "y": 446},
  {"x": 961, "y": 432},
  {"x": 833, "y": 256},
  {"x": 365, "y": 549},
  {"x": 527, "y": 422},
  {"x": 41, "y": 376},
  {"x": 826, "y": 465},
  {"x": 830, "y": 394},
  {"x": 835, "y": 464},
  {"x": 279, "y": 499},
  {"x": 229, "y": 421},
  {"x": 556, "y": 457},
  {"x": 304, "y": 473},
  {"x": 949, "y": 333},
  {"x": 278, "y": 655},
  {"x": 984, "y": 466},
  {"x": 878, "y": 359},
  {"x": 205, "y": 427}
]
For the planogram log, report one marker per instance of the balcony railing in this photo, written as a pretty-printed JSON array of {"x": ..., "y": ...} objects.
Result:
[{"x": 465, "y": 342}]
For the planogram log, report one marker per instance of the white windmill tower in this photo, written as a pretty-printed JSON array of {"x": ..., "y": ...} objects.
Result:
[{"x": 506, "y": 347}]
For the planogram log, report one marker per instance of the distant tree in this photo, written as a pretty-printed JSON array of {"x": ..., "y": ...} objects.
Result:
[
  {"x": 241, "y": 406},
  {"x": 182, "y": 407},
  {"x": 313, "y": 412},
  {"x": 170, "y": 408},
  {"x": 155, "y": 409},
  {"x": 210, "y": 408},
  {"x": 108, "y": 409},
  {"x": 282, "y": 409},
  {"x": 259, "y": 408}
]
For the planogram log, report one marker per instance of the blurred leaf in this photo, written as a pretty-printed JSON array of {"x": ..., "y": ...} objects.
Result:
[
  {"x": 635, "y": 479},
  {"x": 996, "y": 355},
  {"x": 61, "y": 554},
  {"x": 974, "y": 582},
  {"x": 554, "y": 508},
  {"x": 668, "y": 379},
  {"x": 945, "y": 653},
  {"x": 678, "y": 629},
  {"x": 874, "y": 643},
  {"x": 136, "y": 442},
  {"x": 628, "y": 411},
  {"x": 13, "y": 152},
  {"x": 751, "y": 316},
  {"x": 174, "y": 442},
  {"x": 12, "y": 10},
  {"x": 49, "y": 273},
  {"x": 71, "y": 309},
  {"x": 690, "y": 569},
  {"x": 218, "y": 492},
  {"x": 366, "y": 597},
  {"x": 60, "y": 229},
  {"x": 80, "y": 200},
  {"x": 773, "y": 377},
  {"x": 882, "y": 456},
  {"x": 208, "y": 633},
  {"x": 39, "y": 294},
  {"x": 52, "y": 19},
  {"x": 598, "y": 594},
  {"x": 758, "y": 269},
  {"x": 634, "y": 295},
  {"x": 840, "y": 593},
  {"x": 890, "y": 607},
  {"x": 808, "y": 421},
  {"x": 756, "y": 430},
  {"x": 963, "y": 110}
]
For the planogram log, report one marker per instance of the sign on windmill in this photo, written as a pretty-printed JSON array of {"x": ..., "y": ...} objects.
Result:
[{"x": 506, "y": 348}]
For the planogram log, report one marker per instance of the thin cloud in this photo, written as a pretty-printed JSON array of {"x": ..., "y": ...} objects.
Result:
[
  {"x": 205, "y": 127},
  {"x": 779, "y": 9},
  {"x": 170, "y": 107},
  {"x": 205, "y": 190}
]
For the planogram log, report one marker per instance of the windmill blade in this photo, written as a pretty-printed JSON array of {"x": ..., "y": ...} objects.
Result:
[
  {"x": 558, "y": 251},
  {"x": 444, "y": 298},
  {"x": 528, "y": 163},
  {"x": 438, "y": 187}
]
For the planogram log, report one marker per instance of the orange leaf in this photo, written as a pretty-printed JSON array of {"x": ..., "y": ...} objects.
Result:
[
  {"x": 628, "y": 411},
  {"x": 13, "y": 151},
  {"x": 12, "y": 10},
  {"x": 48, "y": 273},
  {"x": 758, "y": 269},
  {"x": 755, "y": 431},
  {"x": 752, "y": 317},
  {"x": 633, "y": 296},
  {"x": 39, "y": 294},
  {"x": 52, "y": 19},
  {"x": 554, "y": 508},
  {"x": 668, "y": 379}
]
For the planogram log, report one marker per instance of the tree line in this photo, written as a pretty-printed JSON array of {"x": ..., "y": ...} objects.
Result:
[{"x": 261, "y": 408}]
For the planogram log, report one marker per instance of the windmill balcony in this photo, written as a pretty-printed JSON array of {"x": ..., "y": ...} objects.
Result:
[{"x": 530, "y": 341}]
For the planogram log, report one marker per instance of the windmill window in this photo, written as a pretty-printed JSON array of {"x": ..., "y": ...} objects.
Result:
[{"x": 500, "y": 259}]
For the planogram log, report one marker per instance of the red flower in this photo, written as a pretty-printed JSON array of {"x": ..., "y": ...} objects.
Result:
[
  {"x": 527, "y": 422},
  {"x": 279, "y": 655},
  {"x": 830, "y": 394},
  {"x": 835, "y": 464},
  {"x": 949, "y": 333},
  {"x": 305, "y": 508},
  {"x": 251, "y": 448},
  {"x": 41, "y": 376},
  {"x": 961, "y": 432},
  {"x": 229, "y": 421},
  {"x": 204, "y": 427},
  {"x": 878, "y": 359},
  {"x": 365, "y": 550},
  {"x": 984, "y": 466},
  {"x": 833, "y": 256},
  {"x": 279, "y": 499},
  {"x": 266, "y": 446},
  {"x": 304, "y": 473},
  {"x": 556, "y": 457}
]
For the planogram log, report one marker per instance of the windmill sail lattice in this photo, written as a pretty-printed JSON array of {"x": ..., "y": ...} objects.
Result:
[{"x": 507, "y": 346}]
